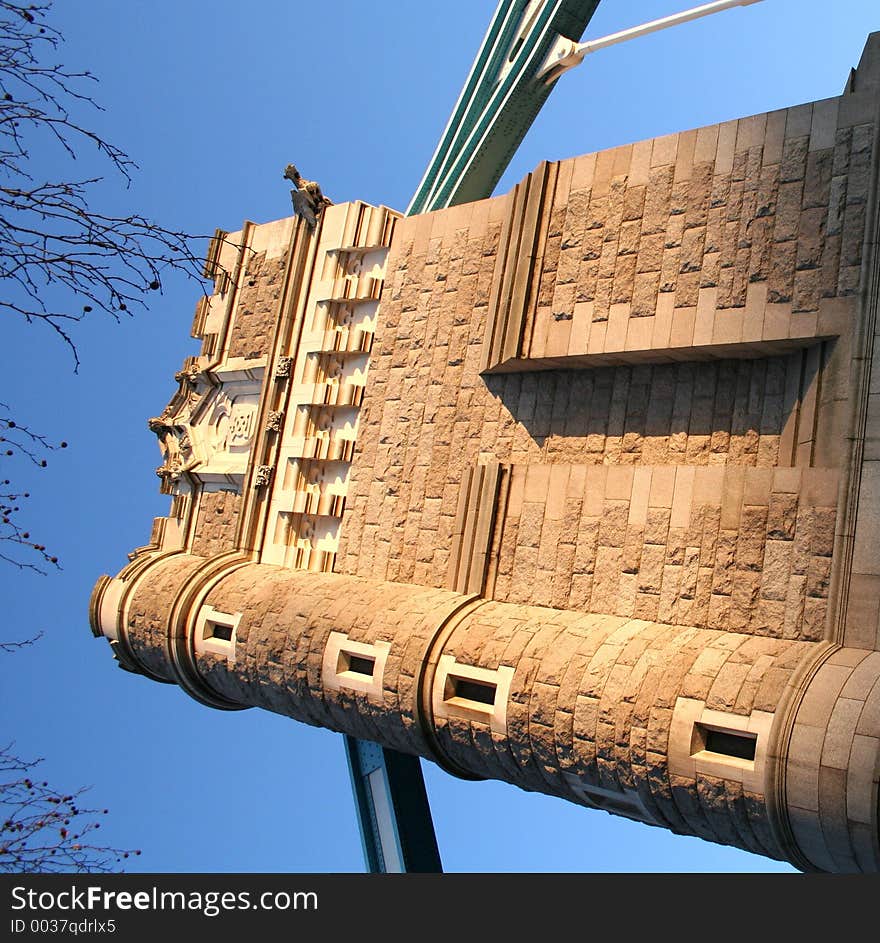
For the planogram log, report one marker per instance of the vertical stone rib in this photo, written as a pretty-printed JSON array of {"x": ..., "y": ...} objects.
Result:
[{"x": 473, "y": 528}]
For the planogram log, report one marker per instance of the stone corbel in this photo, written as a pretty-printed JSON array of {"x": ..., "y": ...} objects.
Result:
[
  {"x": 283, "y": 368},
  {"x": 263, "y": 475}
]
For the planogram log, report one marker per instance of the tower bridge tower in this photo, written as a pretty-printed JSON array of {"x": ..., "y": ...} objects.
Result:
[{"x": 575, "y": 487}]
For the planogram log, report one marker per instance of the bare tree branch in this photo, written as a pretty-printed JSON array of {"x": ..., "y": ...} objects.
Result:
[
  {"x": 18, "y": 546},
  {"x": 8, "y": 647},
  {"x": 46, "y": 831},
  {"x": 61, "y": 256},
  {"x": 51, "y": 235}
]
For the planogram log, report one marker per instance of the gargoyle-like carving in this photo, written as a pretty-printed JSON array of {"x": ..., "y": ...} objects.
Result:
[
  {"x": 307, "y": 197},
  {"x": 166, "y": 434},
  {"x": 179, "y": 412},
  {"x": 275, "y": 420},
  {"x": 189, "y": 375},
  {"x": 174, "y": 442}
]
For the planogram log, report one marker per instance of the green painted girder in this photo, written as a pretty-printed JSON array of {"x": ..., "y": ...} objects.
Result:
[
  {"x": 397, "y": 831},
  {"x": 499, "y": 101}
]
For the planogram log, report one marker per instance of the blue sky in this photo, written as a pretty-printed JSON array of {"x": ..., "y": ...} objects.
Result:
[{"x": 213, "y": 100}]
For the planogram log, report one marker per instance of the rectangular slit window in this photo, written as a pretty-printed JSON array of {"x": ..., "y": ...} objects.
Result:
[
  {"x": 358, "y": 664},
  {"x": 214, "y": 632},
  {"x": 218, "y": 630},
  {"x": 739, "y": 745},
  {"x": 471, "y": 693},
  {"x": 731, "y": 744},
  {"x": 470, "y": 690},
  {"x": 348, "y": 665}
]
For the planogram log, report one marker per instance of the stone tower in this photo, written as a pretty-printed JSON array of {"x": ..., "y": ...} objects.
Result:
[{"x": 576, "y": 487}]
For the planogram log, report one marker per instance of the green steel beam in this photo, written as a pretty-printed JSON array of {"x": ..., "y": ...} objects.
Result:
[
  {"x": 397, "y": 832},
  {"x": 500, "y": 99}
]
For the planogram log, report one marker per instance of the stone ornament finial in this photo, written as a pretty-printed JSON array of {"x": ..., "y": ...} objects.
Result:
[{"x": 307, "y": 197}]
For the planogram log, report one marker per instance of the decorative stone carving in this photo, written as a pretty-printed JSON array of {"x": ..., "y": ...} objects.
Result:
[
  {"x": 207, "y": 426},
  {"x": 275, "y": 420},
  {"x": 263, "y": 475},
  {"x": 307, "y": 198},
  {"x": 283, "y": 367},
  {"x": 189, "y": 375},
  {"x": 179, "y": 412},
  {"x": 174, "y": 442},
  {"x": 241, "y": 425}
]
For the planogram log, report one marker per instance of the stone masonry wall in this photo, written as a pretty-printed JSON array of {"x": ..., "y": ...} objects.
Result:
[
  {"x": 426, "y": 409},
  {"x": 216, "y": 521},
  {"x": 745, "y": 549},
  {"x": 280, "y": 640},
  {"x": 775, "y": 201},
  {"x": 257, "y": 309},
  {"x": 147, "y": 627},
  {"x": 594, "y": 697},
  {"x": 600, "y": 710},
  {"x": 725, "y": 412},
  {"x": 760, "y": 221},
  {"x": 831, "y": 780}
]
